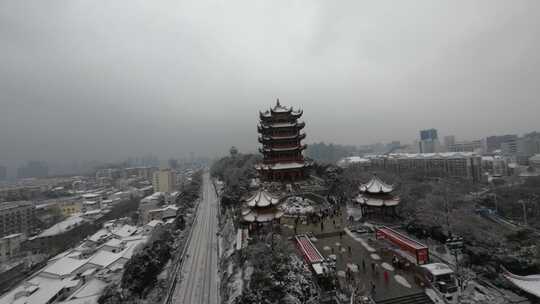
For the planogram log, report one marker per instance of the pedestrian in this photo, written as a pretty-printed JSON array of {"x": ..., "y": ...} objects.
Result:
[
  {"x": 364, "y": 265},
  {"x": 372, "y": 267},
  {"x": 372, "y": 287},
  {"x": 350, "y": 250},
  {"x": 386, "y": 276}
]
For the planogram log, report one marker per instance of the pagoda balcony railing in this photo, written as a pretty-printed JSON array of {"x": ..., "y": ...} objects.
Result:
[
  {"x": 282, "y": 149},
  {"x": 295, "y": 125},
  {"x": 282, "y": 160},
  {"x": 269, "y": 138}
]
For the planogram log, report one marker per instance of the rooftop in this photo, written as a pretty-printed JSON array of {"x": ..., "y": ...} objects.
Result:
[
  {"x": 438, "y": 269},
  {"x": 376, "y": 185},
  {"x": 262, "y": 198},
  {"x": 65, "y": 225}
]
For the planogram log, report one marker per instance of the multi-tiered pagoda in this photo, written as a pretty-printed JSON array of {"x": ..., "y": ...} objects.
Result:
[{"x": 281, "y": 138}]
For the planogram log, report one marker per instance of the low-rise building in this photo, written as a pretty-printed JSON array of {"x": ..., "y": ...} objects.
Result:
[
  {"x": 534, "y": 162},
  {"x": 16, "y": 217},
  {"x": 465, "y": 165},
  {"x": 10, "y": 246},
  {"x": 79, "y": 275}
]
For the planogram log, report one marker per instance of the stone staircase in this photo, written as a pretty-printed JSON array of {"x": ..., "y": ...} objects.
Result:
[{"x": 417, "y": 298}]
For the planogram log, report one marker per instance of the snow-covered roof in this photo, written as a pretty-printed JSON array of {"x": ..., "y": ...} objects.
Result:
[
  {"x": 281, "y": 166},
  {"x": 92, "y": 288},
  {"x": 99, "y": 235},
  {"x": 114, "y": 243},
  {"x": 535, "y": 158},
  {"x": 104, "y": 258},
  {"x": 376, "y": 185},
  {"x": 154, "y": 223},
  {"x": 90, "y": 195},
  {"x": 37, "y": 290},
  {"x": 386, "y": 201},
  {"x": 439, "y": 155},
  {"x": 346, "y": 161},
  {"x": 437, "y": 269},
  {"x": 261, "y": 215},
  {"x": 262, "y": 198},
  {"x": 65, "y": 266},
  {"x": 124, "y": 231},
  {"x": 530, "y": 283},
  {"x": 65, "y": 225}
]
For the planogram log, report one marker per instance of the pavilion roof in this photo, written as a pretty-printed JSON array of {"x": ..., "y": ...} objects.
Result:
[
  {"x": 376, "y": 185},
  {"x": 262, "y": 198},
  {"x": 261, "y": 215},
  {"x": 384, "y": 201},
  {"x": 530, "y": 283}
]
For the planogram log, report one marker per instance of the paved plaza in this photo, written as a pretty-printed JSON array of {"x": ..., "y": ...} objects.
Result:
[{"x": 353, "y": 249}]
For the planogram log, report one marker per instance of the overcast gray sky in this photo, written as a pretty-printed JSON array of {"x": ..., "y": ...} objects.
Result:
[{"x": 108, "y": 79}]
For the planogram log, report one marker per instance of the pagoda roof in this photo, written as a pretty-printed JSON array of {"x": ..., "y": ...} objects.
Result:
[
  {"x": 529, "y": 284},
  {"x": 377, "y": 201},
  {"x": 376, "y": 185},
  {"x": 262, "y": 198},
  {"x": 271, "y": 137},
  {"x": 265, "y": 125},
  {"x": 261, "y": 215},
  {"x": 279, "y": 108},
  {"x": 298, "y": 147},
  {"x": 282, "y": 166}
]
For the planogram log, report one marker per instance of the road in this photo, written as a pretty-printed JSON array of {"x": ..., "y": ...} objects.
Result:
[{"x": 199, "y": 274}]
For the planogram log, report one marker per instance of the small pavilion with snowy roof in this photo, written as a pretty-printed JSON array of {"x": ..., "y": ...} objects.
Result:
[
  {"x": 376, "y": 195},
  {"x": 261, "y": 208}
]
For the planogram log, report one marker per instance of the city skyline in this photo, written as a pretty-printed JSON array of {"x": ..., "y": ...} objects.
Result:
[{"x": 75, "y": 89}]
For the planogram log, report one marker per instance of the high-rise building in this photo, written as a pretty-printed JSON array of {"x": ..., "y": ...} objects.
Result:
[
  {"x": 494, "y": 142},
  {"x": 429, "y": 141},
  {"x": 448, "y": 141},
  {"x": 281, "y": 144},
  {"x": 428, "y": 134},
  {"x": 164, "y": 180},
  {"x": 16, "y": 217}
]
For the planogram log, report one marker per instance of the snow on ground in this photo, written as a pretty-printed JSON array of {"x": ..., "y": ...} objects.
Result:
[
  {"x": 361, "y": 240},
  {"x": 297, "y": 206},
  {"x": 387, "y": 266},
  {"x": 401, "y": 280}
]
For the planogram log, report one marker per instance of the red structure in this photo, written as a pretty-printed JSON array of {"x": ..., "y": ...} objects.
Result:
[
  {"x": 416, "y": 249},
  {"x": 308, "y": 250},
  {"x": 281, "y": 138}
]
